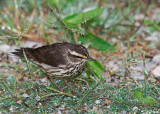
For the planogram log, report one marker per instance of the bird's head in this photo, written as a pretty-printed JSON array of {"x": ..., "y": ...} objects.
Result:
[{"x": 79, "y": 53}]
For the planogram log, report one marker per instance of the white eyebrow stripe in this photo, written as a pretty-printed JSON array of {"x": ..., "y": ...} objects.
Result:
[{"x": 77, "y": 54}]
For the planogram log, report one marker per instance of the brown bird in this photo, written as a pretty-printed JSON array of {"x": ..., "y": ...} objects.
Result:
[{"x": 59, "y": 60}]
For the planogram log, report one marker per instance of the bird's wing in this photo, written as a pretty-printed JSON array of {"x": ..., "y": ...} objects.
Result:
[{"x": 49, "y": 54}]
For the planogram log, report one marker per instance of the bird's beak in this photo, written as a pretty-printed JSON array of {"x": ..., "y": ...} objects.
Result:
[{"x": 91, "y": 59}]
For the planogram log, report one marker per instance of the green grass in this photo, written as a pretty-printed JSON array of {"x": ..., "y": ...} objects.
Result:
[
  {"x": 34, "y": 20},
  {"x": 43, "y": 98}
]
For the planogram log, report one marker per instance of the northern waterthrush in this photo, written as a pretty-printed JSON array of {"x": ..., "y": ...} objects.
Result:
[{"x": 59, "y": 60}]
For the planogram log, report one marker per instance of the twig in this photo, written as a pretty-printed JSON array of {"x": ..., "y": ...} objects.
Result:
[
  {"x": 59, "y": 17},
  {"x": 88, "y": 92},
  {"x": 16, "y": 14},
  {"x": 28, "y": 66},
  {"x": 65, "y": 25},
  {"x": 54, "y": 94},
  {"x": 75, "y": 37},
  {"x": 8, "y": 88},
  {"x": 58, "y": 93},
  {"x": 134, "y": 104}
]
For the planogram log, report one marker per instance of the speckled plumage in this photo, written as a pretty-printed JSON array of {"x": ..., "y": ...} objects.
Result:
[{"x": 60, "y": 60}]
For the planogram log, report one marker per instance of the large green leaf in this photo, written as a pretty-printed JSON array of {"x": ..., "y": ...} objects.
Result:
[
  {"x": 100, "y": 66},
  {"x": 96, "y": 42},
  {"x": 82, "y": 17},
  {"x": 96, "y": 69}
]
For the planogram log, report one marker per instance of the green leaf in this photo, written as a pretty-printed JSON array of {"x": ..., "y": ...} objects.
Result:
[
  {"x": 152, "y": 26},
  {"x": 96, "y": 70},
  {"x": 138, "y": 95},
  {"x": 96, "y": 42},
  {"x": 100, "y": 66},
  {"x": 57, "y": 2},
  {"x": 151, "y": 29},
  {"x": 88, "y": 74},
  {"x": 83, "y": 16},
  {"x": 149, "y": 22},
  {"x": 52, "y": 2},
  {"x": 148, "y": 100},
  {"x": 114, "y": 18}
]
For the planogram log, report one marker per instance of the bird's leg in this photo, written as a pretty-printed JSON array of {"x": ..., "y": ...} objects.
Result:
[
  {"x": 73, "y": 92},
  {"x": 54, "y": 83}
]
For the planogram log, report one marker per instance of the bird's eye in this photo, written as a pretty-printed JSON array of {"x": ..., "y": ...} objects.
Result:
[{"x": 78, "y": 57}]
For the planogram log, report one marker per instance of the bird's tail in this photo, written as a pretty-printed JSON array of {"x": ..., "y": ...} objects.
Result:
[{"x": 22, "y": 52}]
